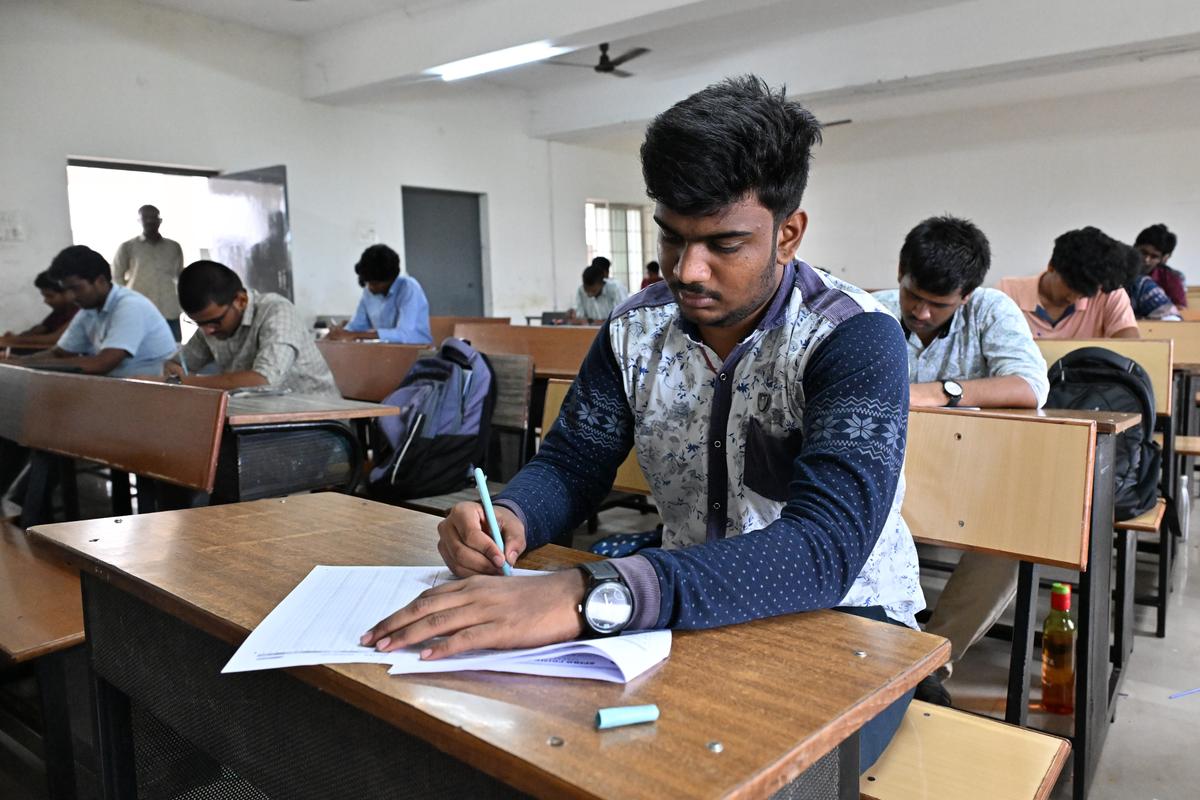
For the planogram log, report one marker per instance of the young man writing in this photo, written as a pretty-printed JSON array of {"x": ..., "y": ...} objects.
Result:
[
  {"x": 595, "y": 299},
  {"x": 1156, "y": 244},
  {"x": 256, "y": 339},
  {"x": 768, "y": 404},
  {"x": 967, "y": 346},
  {"x": 62, "y": 311},
  {"x": 117, "y": 331},
  {"x": 1079, "y": 296},
  {"x": 393, "y": 306}
]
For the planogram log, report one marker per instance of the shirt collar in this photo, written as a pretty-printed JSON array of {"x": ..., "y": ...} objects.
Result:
[
  {"x": 113, "y": 295},
  {"x": 248, "y": 314},
  {"x": 949, "y": 327}
]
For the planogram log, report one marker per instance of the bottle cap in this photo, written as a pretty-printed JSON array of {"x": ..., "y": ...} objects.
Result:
[{"x": 1060, "y": 597}]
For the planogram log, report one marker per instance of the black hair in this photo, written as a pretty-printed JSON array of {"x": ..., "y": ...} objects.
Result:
[
  {"x": 593, "y": 275},
  {"x": 377, "y": 263},
  {"x": 1157, "y": 236},
  {"x": 1089, "y": 260},
  {"x": 602, "y": 262},
  {"x": 946, "y": 254},
  {"x": 79, "y": 261},
  {"x": 46, "y": 283},
  {"x": 204, "y": 282},
  {"x": 148, "y": 207},
  {"x": 652, "y": 267},
  {"x": 732, "y": 140}
]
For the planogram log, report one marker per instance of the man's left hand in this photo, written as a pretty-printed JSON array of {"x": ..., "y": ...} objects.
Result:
[{"x": 485, "y": 612}]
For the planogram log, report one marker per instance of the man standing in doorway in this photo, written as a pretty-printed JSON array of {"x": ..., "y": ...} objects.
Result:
[{"x": 150, "y": 264}]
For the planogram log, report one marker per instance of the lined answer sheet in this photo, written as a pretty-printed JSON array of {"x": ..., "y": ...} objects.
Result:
[{"x": 322, "y": 619}]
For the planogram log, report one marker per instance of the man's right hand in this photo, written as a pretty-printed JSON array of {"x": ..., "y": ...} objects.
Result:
[
  {"x": 172, "y": 368},
  {"x": 466, "y": 544}
]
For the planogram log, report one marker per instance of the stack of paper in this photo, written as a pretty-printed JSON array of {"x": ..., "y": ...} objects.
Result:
[{"x": 321, "y": 620}]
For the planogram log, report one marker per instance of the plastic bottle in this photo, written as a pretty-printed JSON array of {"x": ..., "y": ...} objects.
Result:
[{"x": 1058, "y": 653}]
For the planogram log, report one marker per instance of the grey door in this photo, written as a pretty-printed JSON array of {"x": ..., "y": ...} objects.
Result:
[{"x": 443, "y": 250}]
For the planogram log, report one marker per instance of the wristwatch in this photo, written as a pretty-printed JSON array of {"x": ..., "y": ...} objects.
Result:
[
  {"x": 954, "y": 391},
  {"x": 607, "y": 605}
]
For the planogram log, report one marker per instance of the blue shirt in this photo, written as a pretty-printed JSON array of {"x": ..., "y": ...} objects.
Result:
[
  {"x": 777, "y": 471},
  {"x": 127, "y": 321},
  {"x": 401, "y": 316}
]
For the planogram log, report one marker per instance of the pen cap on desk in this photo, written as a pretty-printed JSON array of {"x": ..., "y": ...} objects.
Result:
[{"x": 625, "y": 715}]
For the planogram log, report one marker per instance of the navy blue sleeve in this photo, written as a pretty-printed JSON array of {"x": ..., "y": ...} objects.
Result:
[
  {"x": 575, "y": 466},
  {"x": 844, "y": 478}
]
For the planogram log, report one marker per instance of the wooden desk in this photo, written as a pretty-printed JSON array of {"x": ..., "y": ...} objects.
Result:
[
  {"x": 557, "y": 350},
  {"x": 443, "y": 327},
  {"x": 1107, "y": 422},
  {"x": 201, "y": 579},
  {"x": 41, "y": 623},
  {"x": 369, "y": 371},
  {"x": 282, "y": 409}
]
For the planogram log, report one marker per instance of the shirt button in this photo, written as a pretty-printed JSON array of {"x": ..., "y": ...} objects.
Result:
[
  {"x": 716, "y": 506},
  {"x": 717, "y": 444},
  {"x": 723, "y": 376}
]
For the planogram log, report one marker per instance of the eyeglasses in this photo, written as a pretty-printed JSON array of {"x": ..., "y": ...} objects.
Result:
[{"x": 215, "y": 322}]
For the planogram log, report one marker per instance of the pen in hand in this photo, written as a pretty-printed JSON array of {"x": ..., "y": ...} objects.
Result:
[{"x": 490, "y": 513}]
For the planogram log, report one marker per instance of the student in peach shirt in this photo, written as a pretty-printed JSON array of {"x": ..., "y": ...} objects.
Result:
[{"x": 1079, "y": 296}]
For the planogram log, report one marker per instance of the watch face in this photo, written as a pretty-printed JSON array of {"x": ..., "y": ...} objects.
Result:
[
  {"x": 952, "y": 388},
  {"x": 608, "y": 607}
]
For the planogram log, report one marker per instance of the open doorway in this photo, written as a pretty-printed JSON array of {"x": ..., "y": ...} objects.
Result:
[{"x": 239, "y": 219}]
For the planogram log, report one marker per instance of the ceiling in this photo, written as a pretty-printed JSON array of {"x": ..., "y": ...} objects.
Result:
[{"x": 302, "y": 18}]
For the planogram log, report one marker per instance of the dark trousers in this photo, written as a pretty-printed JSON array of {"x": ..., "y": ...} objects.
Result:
[
  {"x": 873, "y": 738},
  {"x": 13, "y": 458}
]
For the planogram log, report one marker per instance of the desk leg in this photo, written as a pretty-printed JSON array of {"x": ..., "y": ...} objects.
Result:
[
  {"x": 848, "y": 768},
  {"x": 113, "y": 724},
  {"x": 122, "y": 500},
  {"x": 1094, "y": 608},
  {"x": 70, "y": 487},
  {"x": 57, "y": 745},
  {"x": 1024, "y": 624},
  {"x": 1122, "y": 646}
]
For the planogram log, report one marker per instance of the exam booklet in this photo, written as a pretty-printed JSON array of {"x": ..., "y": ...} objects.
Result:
[{"x": 321, "y": 620}]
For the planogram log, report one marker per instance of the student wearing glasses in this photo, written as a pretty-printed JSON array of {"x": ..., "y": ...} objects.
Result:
[{"x": 255, "y": 338}]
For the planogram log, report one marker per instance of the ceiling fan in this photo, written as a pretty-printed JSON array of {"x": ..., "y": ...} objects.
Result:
[{"x": 606, "y": 65}]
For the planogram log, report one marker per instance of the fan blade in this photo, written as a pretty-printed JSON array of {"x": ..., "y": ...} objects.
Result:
[
  {"x": 620, "y": 73},
  {"x": 629, "y": 55},
  {"x": 568, "y": 64}
]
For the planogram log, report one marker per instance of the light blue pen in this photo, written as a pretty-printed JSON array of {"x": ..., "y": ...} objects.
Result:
[{"x": 490, "y": 513}]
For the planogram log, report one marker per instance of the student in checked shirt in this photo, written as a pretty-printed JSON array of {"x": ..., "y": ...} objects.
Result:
[
  {"x": 768, "y": 404},
  {"x": 968, "y": 346}
]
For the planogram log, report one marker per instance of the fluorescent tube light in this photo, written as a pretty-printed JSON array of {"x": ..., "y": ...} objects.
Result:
[{"x": 499, "y": 59}]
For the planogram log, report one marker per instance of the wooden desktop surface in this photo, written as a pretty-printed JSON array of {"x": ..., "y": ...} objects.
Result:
[
  {"x": 777, "y": 694},
  {"x": 557, "y": 350},
  {"x": 1106, "y": 421},
  {"x": 40, "y": 609},
  {"x": 284, "y": 408}
]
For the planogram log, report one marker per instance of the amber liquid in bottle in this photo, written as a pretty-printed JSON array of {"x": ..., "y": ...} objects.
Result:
[{"x": 1058, "y": 653}]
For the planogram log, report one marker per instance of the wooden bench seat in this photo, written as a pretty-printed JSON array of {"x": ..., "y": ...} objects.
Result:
[
  {"x": 1147, "y": 522},
  {"x": 941, "y": 753},
  {"x": 1187, "y": 446}
]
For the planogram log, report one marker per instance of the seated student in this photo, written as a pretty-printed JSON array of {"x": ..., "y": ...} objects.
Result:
[
  {"x": 1079, "y": 296},
  {"x": 1147, "y": 298},
  {"x": 652, "y": 274},
  {"x": 117, "y": 332},
  {"x": 966, "y": 345},
  {"x": 801, "y": 374},
  {"x": 1156, "y": 244},
  {"x": 594, "y": 300},
  {"x": 393, "y": 306},
  {"x": 610, "y": 286},
  {"x": 62, "y": 311},
  {"x": 255, "y": 338}
]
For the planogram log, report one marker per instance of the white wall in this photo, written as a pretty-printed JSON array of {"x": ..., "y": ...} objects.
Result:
[
  {"x": 113, "y": 79},
  {"x": 1024, "y": 174}
]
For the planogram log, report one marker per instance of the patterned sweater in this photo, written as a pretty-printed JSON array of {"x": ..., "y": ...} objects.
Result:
[{"x": 778, "y": 472}]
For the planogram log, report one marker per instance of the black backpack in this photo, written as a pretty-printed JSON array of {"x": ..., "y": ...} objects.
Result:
[
  {"x": 443, "y": 429},
  {"x": 1096, "y": 379}
]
